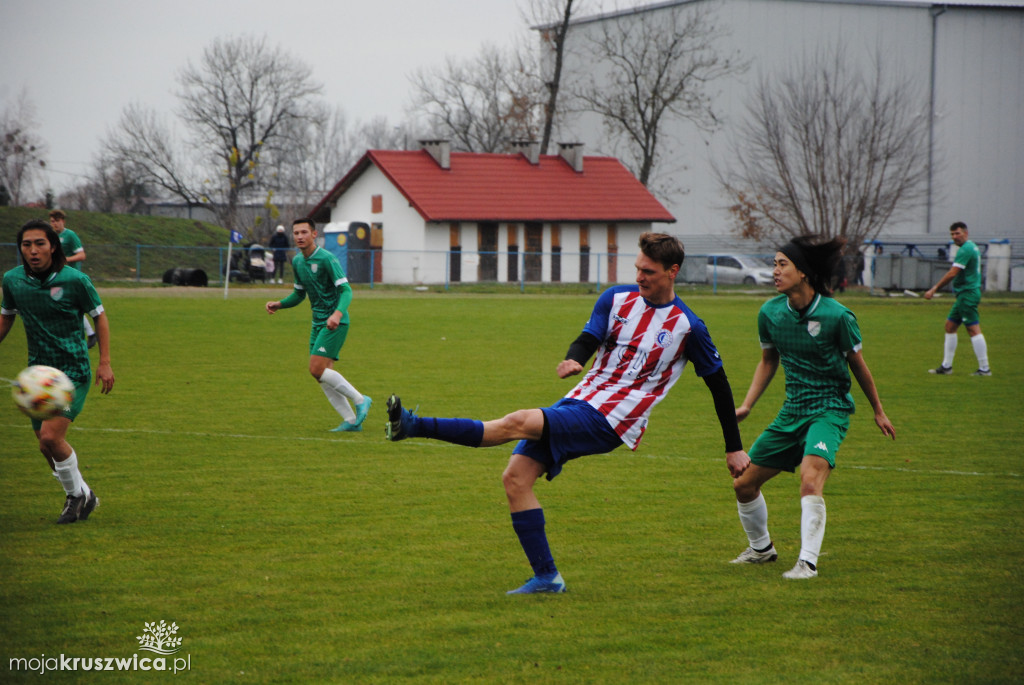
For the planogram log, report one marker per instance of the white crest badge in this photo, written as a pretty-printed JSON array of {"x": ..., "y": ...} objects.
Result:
[
  {"x": 814, "y": 327},
  {"x": 56, "y": 293},
  {"x": 312, "y": 267}
]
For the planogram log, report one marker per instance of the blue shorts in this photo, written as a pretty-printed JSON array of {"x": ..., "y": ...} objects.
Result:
[{"x": 572, "y": 429}]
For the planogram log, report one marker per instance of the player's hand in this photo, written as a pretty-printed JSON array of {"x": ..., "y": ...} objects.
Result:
[
  {"x": 929, "y": 294},
  {"x": 883, "y": 422},
  {"x": 737, "y": 462},
  {"x": 568, "y": 367},
  {"x": 742, "y": 412},
  {"x": 273, "y": 306},
  {"x": 333, "y": 321},
  {"x": 104, "y": 377}
]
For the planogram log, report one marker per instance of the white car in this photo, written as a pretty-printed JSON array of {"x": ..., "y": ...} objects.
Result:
[{"x": 736, "y": 268}]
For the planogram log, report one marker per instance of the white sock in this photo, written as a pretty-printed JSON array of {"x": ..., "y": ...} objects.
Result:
[
  {"x": 69, "y": 477},
  {"x": 339, "y": 402},
  {"x": 980, "y": 351},
  {"x": 812, "y": 527},
  {"x": 335, "y": 380},
  {"x": 948, "y": 350},
  {"x": 754, "y": 518}
]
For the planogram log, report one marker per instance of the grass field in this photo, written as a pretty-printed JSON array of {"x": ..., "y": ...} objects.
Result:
[{"x": 287, "y": 554}]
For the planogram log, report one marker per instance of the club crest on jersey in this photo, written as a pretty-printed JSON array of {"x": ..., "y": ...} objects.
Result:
[
  {"x": 665, "y": 338},
  {"x": 312, "y": 267},
  {"x": 814, "y": 327},
  {"x": 56, "y": 293}
]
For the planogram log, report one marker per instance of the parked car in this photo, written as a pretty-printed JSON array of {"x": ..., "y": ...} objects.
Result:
[{"x": 736, "y": 268}]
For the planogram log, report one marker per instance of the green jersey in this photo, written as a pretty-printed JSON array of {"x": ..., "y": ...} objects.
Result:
[
  {"x": 70, "y": 243},
  {"x": 968, "y": 257},
  {"x": 52, "y": 311},
  {"x": 812, "y": 346},
  {"x": 321, "y": 277}
]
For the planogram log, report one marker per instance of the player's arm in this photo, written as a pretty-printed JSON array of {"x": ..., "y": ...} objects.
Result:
[
  {"x": 6, "y": 322},
  {"x": 104, "y": 373},
  {"x": 866, "y": 381},
  {"x": 295, "y": 297},
  {"x": 721, "y": 392},
  {"x": 580, "y": 351},
  {"x": 344, "y": 300},
  {"x": 946, "y": 278},
  {"x": 76, "y": 257},
  {"x": 763, "y": 375}
]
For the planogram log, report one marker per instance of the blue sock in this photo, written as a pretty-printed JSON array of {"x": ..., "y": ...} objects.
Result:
[
  {"x": 468, "y": 432},
  {"x": 529, "y": 526}
]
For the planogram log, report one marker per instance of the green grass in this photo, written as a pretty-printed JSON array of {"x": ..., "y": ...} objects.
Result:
[{"x": 286, "y": 554}]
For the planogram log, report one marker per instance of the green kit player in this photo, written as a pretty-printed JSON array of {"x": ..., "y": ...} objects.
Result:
[
  {"x": 51, "y": 300},
  {"x": 818, "y": 342},
  {"x": 319, "y": 275},
  {"x": 74, "y": 252},
  {"x": 966, "y": 277}
]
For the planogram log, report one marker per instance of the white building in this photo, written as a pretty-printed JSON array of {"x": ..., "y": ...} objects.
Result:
[
  {"x": 967, "y": 57},
  {"x": 437, "y": 216}
]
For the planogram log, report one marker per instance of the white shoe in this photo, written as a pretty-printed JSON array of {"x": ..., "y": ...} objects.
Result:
[
  {"x": 752, "y": 556},
  {"x": 800, "y": 571}
]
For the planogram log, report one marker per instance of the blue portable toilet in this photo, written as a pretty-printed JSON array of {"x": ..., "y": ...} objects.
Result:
[{"x": 340, "y": 237}]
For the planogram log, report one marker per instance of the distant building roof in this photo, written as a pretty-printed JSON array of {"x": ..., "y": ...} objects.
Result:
[{"x": 508, "y": 187}]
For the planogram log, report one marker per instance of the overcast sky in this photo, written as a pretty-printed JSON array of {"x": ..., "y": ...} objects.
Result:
[{"x": 83, "y": 61}]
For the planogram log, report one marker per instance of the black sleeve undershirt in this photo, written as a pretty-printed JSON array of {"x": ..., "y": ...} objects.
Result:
[
  {"x": 582, "y": 348},
  {"x": 725, "y": 407}
]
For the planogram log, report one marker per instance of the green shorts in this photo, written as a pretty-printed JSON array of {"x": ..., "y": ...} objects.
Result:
[
  {"x": 965, "y": 309},
  {"x": 784, "y": 443},
  {"x": 72, "y": 412},
  {"x": 327, "y": 343}
]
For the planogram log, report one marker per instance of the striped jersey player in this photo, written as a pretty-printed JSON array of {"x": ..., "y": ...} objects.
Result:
[
  {"x": 643, "y": 350},
  {"x": 641, "y": 337}
]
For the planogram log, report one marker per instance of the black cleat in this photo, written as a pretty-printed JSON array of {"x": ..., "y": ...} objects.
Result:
[
  {"x": 91, "y": 502},
  {"x": 72, "y": 509},
  {"x": 399, "y": 420}
]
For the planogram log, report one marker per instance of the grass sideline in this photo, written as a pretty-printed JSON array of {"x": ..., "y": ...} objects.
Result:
[{"x": 287, "y": 554}]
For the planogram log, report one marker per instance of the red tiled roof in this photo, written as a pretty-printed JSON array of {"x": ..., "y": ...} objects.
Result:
[{"x": 506, "y": 187}]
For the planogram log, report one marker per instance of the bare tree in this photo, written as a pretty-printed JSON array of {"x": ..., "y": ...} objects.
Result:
[
  {"x": 145, "y": 148},
  {"x": 242, "y": 106},
  {"x": 110, "y": 186},
  {"x": 553, "y": 17},
  {"x": 656, "y": 67},
  {"x": 238, "y": 103},
  {"x": 827, "y": 149},
  {"x": 22, "y": 151},
  {"x": 479, "y": 104}
]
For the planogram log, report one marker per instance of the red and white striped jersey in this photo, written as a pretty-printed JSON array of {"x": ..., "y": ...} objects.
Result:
[{"x": 643, "y": 351}]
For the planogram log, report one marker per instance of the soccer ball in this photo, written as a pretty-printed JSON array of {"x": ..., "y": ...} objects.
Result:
[{"x": 43, "y": 392}]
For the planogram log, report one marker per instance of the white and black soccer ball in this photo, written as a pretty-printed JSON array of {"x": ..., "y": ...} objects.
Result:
[{"x": 43, "y": 392}]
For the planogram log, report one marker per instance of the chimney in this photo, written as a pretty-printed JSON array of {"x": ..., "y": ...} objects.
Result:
[
  {"x": 440, "y": 150},
  {"x": 572, "y": 153},
  {"x": 527, "y": 148}
]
